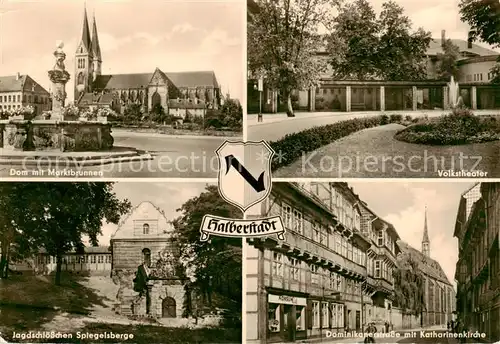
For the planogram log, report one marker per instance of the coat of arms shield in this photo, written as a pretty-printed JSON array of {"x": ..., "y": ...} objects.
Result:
[{"x": 244, "y": 172}]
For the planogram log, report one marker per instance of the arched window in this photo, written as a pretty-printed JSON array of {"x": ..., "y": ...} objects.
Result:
[
  {"x": 146, "y": 257},
  {"x": 145, "y": 229},
  {"x": 80, "y": 79}
]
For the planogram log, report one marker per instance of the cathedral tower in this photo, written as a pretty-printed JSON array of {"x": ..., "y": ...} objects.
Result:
[
  {"x": 425, "y": 239},
  {"x": 84, "y": 61},
  {"x": 96, "y": 51}
]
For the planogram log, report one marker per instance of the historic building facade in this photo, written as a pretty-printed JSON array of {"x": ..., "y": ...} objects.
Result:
[
  {"x": 439, "y": 294},
  {"x": 478, "y": 266},
  {"x": 92, "y": 89},
  {"x": 144, "y": 253},
  {"x": 313, "y": 281},
  {"x": 367, "y": 95},
  {"x": 94, "y": 260},
  {"x": 18, "y": 90}
]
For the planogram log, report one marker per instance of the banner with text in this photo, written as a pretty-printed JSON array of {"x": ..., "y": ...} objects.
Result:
[{"x": 235, "y": 228}]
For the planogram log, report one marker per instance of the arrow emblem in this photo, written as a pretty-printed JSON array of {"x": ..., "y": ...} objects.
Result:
[{"x": 257, "y": 184}]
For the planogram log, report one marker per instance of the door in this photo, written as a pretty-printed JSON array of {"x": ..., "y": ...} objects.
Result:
[
  {"x": 168, "y": 308},
  {"x": 358, "y": 321}
]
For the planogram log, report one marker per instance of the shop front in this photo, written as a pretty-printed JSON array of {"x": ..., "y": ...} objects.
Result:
[{"x": 286, "y": 318}]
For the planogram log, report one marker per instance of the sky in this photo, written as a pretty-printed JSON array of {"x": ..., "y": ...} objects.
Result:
[
  {"x": 403, "y": 204},
  {"x": 135, "y": 36},
  {"x": 168, "y": 196}
]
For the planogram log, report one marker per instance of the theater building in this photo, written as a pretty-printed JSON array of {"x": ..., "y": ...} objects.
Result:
[
  {"x": 478, "y": 266},
  {"x": 311, "y": 282},
  {"x": 334, "y": 95}
]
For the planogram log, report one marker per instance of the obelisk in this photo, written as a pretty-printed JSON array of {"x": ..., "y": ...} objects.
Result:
[{"x": 59, "y": 77}]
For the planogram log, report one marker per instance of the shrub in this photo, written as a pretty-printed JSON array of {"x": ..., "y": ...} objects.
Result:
[
  {"x": 459, "y": 127},
  {"x": 292, "y": 146},
  {"x": 409, "y": 118},
  {"x": 396, "y": 118}
]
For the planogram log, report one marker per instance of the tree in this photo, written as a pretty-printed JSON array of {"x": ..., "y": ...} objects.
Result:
[
  {"x": 132, "y": 113},
  {"x": 58, "y": 215},
  {"x": 447, "y": 61},
  {"x": 366, "y": 48},
  {"x": 483, "y": 17},
  {"x": 158, "y": 113},
  {"x": 214, "y": 266},
  {"x": 409, "y": 285},
  {"x": 231, "y": 114},
  {"x": 282, "y": 43}
]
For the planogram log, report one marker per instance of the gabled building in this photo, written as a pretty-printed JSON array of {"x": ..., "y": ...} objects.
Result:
[
  {"x": 92, "y": 89},
  {"x": 17, "y": 91},
  {"x": 478, "y": 266}
]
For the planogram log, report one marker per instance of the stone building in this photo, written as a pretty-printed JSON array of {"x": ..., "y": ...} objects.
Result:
[
  {"x": 144, "y": 265},
  {"x": 312, "y": 281},
  {"x": 18, "y": 91},
  {"x": 439, "y": 295},
  {"x": 332, "y": 94},
  {"x": 478, "y": 266},
  {"x": 93, "y": 89}
]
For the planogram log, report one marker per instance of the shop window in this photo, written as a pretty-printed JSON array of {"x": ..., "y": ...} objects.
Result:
[
  {"x": 301, "y": 318},
  {"x": 274, "y": 317}
]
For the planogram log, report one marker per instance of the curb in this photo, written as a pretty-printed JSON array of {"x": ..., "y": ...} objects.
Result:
[{"x": 70, "y": 162}]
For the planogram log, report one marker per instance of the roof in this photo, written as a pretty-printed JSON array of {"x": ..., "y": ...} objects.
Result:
[
  {"x": 435, "y": 48},
  {"x": 426, "y": 232},
  {"x": 86, "y": 32},
  {"x": 427, "y": 265},
  {"x": 185, "y": 104},
  {"x": 96, "y": 49},
  {"x": 138, "y": 80},
  {"x": 89, "y": 249},
  {"x": 13, "y": 83},
  {"x": 99, "y": 98}
]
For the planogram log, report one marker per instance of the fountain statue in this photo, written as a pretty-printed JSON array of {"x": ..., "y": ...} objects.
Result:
[{"x": 59, "y": 77}]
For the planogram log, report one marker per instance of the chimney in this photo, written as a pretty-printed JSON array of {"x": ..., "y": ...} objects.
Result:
[
  {"x": 18, "y": 76},
  {"x": 470, "y": 38},
  {"x": 443, "y": 37}
]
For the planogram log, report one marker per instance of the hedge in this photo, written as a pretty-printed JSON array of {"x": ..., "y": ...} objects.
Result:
[{"x": 293, "y": 146}]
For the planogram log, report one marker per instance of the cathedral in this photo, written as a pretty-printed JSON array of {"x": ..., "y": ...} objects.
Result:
[{"x": 189, "y": 91}]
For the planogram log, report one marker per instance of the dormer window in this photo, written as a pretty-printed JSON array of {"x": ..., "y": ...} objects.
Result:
[{"x": 145, "y": 229}]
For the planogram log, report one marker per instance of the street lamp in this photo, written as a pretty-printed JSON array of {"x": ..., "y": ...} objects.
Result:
[{"x": 260, "y": 88}]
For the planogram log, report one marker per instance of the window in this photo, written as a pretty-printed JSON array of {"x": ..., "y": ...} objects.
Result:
[
  {"x": 380, "y": 239},
  {"x": 100, "y": 259},
  {"x": 295, "y": 269},
  {"x": 93, "y": 260},
  {"x": 297, "y": 218},
  {"x": 18, "y": 98},
  {"x": 339, "y": 282},
  {"x": 10, "y": 98},
  {"x": 340, "y": 316},
  {"x": 316, "y": 314},
  {"x": 334, "y": 315},
  {"x": 314, "y": 274},
  {"x": 349, "y": 251},
  {"x": 315, "y": 231},
  {"x": 325, "y": 316},
  {"x": 344, "y": 247},
  {"x": 338, "y": 239},
  {"x": 377, "y": 269},
  {"x": 146, "y": 257},
  {"x": 287, "y": 216},
  {"x": 145, "y": 229},
  {"x": 333, "y": 280},
  {"x": 355, "y": 255},
  {"x": 277, "y": 264}
]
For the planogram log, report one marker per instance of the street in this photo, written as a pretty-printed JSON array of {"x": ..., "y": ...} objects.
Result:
[{"x": 173, "y": 156}]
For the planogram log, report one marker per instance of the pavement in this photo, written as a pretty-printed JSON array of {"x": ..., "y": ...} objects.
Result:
[
  {"x": 374, "y": 153},
  {"x": 275, "y": 126},
  {"x": 169, "y": 157}
]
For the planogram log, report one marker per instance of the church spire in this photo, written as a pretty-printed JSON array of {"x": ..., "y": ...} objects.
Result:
[
  {"x": 96, "y": 49},
  {"x": 425, "y": 239},
  {"x": 85, "y": 31}
]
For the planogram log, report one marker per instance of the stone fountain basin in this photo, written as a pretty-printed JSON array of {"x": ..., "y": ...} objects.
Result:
[{"x": 55, "y": 135}]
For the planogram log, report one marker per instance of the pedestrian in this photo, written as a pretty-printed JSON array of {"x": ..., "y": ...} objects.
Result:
[{"x": 371, "y": 330}]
